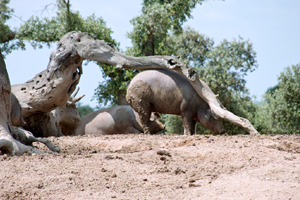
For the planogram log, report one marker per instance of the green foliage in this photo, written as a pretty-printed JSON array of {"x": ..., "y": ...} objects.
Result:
[
  {"x": 173, "y": 123},
  {"x": 263, "y": 121},
  {"x": 157, "y": 18},
  {"x": 5, "y": 14},
  {"x": 108, "y": 92},
  {"x": 191, "y": 46},
  {"x": 84, "y": 110},
  {"x": 46, "y": 31},
  {"x": 271, "y": 90},
  {"x": 6, "y": 34},
  {"x": 279, "y": 112}
]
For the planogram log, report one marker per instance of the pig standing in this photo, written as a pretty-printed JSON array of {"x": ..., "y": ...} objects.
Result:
[
  {"x": 115, "y": 120},
  {"x": 169, "y": 92}
]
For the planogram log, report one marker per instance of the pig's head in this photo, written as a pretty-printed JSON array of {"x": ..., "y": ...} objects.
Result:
[
  {"x": 67, "y": 115},
  {"x": 211, "y": 122},
  {"x": 154, "y": 124}
]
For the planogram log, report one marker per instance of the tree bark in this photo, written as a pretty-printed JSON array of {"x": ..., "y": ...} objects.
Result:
[
  {"x": 50, "y": 88},
  {"x": 148, "y": 46},
  {"x": 8, "y": 144}
]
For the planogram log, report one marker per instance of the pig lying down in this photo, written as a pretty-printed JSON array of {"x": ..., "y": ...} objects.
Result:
[
  {"x": 116, "y": 120},
  {"x": 169, "y": 92}
]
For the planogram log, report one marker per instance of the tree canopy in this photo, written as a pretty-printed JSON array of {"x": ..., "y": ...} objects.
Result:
[
  {"x": 7, "y": 35},
  {"x": 48, "y": 30},
  {"x": 157, "y": 19},
  {"x": 279, "y": 112}
]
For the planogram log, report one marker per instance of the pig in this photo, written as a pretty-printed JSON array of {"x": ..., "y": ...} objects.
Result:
[
  {"x": 15, "y": 112},
  {"x": 67, "y": 116},
  {"x": 116, "y": 120},
  {"x": 168, "y": 92}
]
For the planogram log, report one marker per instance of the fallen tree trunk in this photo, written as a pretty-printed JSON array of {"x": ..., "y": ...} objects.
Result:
[
  {"x": 52, "y": 87},
  {"x": 8, "y": 144}
]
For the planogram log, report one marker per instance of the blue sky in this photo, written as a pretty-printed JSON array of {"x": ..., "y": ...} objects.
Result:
[{"x": 272, "y": 26}]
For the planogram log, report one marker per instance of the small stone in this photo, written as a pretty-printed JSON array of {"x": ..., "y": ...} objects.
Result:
[
  {"x": 164, "y": 153},
  {"x": 109, "y": 157}
]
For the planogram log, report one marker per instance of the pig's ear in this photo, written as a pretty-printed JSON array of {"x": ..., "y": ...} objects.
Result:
[
  {"x": 212, "y": 114},
  {"x": 157, "y": 114},
  {"x": 153, "y": 115},
  {"x": 207, "y": 114}
]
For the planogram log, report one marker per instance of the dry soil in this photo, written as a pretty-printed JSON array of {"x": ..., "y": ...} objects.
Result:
[{"x": 157, "y": 167}]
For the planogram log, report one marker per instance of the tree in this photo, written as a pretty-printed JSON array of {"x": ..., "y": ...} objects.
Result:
[
  {"x": 271, "y": 90},
  {"x": 157, "y": 19},
  {"x": 7, "y": 35},
  {"x": 225, "y": 72},
  {"x": 46, "y": 31},
  {"x": 279, "y": 112},
  {"x": 52, "y": 87},
  {"x": 151, "y": 30},
  {"x": 14, "y": 140}
]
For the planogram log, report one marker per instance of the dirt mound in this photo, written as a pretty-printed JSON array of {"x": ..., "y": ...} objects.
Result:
[{"x": 157, "y": 167}]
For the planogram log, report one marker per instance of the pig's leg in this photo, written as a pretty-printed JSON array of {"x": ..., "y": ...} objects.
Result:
[
  {"x": 145, "y": 117},
  {"x": 144, "y": 114},
  {"x": 189, "y": 125}
]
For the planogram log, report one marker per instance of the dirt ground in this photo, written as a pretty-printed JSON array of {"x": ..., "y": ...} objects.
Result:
[{"x": 157, "y": 167}]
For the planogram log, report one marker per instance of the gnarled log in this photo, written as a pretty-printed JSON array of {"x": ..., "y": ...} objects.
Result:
[
  {"x": 52, "y": 87},
  {"x": 8, "y": 144}
]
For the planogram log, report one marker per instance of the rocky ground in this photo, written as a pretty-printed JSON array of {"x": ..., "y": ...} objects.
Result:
[{"x": 157, "y": 167}]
